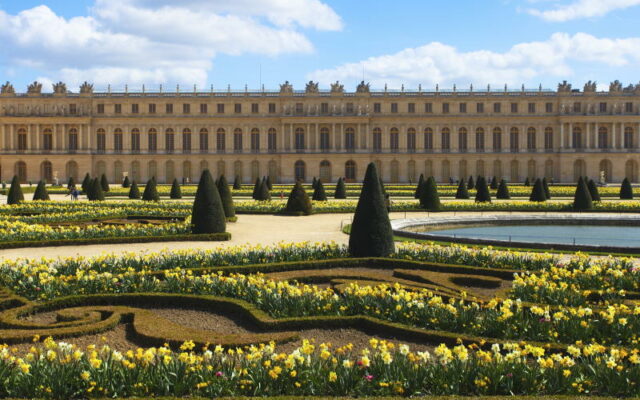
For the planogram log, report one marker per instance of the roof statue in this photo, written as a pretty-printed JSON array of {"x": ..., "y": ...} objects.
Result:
[
  {"x": 86, "y": 88},
  {"x": 629, "y": 89},
  {"x": 590, "y": 87},
  {"x": 337, "y": 87},
  {"x": 59, "y": 88},
  {"x": 363, "y": 88},
  {"x": 564, "y": 87},
  {"x": 35, "y": 88},
  {"x": 7, "y": 88},
  {"x": 286, "y": 87},
  {"x": 312, "y": 87},
  {"x": 615, "y": 86}
]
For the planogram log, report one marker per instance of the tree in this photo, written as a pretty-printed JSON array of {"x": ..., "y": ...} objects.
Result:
[
  {"x": 470, "y": 183},
  {"x": 503, "y": 191},
  {"x": 545, "y": 185},
  {"x": 537, "y": 193},
  {"x": 86, "y": 183},
  {"x": 151, "y": 191},
  {"x": 15, "y": 195},
  {"x": 384, "y": 190},
  {"x": 482, "y": 191},
  {"x": 341, "y": 190},
  {"x": 462, "y": 193},
  {"x": 319, "y": 193},
  {"x": 582, "y": 199},
  {"x": 526, "y": 181},
  {"x": 298, "y": 201},
  {"x": 208, "y": 213},
  {"x": 226, "y": 197},
  {"x": 314, "y": 183},
  {"x": 71, "y": 183},
  {"x": 593, "y": 190},
  {"x": 104, "y": 183},
  {"x": 41, "y": 192},
  {"x": 429, "y": 198},
  {"x": 419, "y": 187},
  {"x": 126, "y": 183},
  {"x": 134, "y": 192},
  {"x": 256, "y": 189},
  {"x": 494, "y": 183},
  {"x": 371, "y": 233},
  {"x": 626, "y": 191},
  {"x": 263, "y": 191},
  {"x": 176, "y": 192},
  {"x": 269, "y": 184},
  {"x": 237, "y": 185},
  {"x": 96, "y": 190}
]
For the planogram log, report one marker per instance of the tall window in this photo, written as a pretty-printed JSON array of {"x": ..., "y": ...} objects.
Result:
[
  {"x": 186, "y": 140},
  {"x": 577, "y": 138},
  {"x": 603, "y": 138},
  {"x": 531, "y": 139},
  {"x": 446, "y": 140},
  {"x": 350, "y": 171},
  {"x": 117, "y": 140},
  {"x": 394, "y": 140},
  {"x": 169, "y": 140},
  {"x": 628, "y": 137},
  {"x": 255, "y": 140},
  {"x": 47, "y": 140},
  {"x": 237, "y": 140},
  {"x": 101, "y": 140},
  {"x": 480, "y": 140},
  {"x": 462, "y": 140},
  {"x": 153, "y": 140},
  {"x": 324, "y": 140},
  {"x": 514, "y": 140},
  {"x": 221, "y": 140},
  {"x": 548, "y": 138},
  {"x": 349, "y": 140},
  {"x": 22, "y": 139},
  {"x": 204, "y": 140},
  {"x": 428, "y": 139},
  {"x": 411, "y": 140},
  {"x": 497, "y": 140},
  {"x": 377, "y": 140},
  {"x": 299, "y": 170},
  {"x": 135, "y": 140},
  {"x": 272, "y": 140},
  {"x": 299, "y": 140},
  {"x": 73, "y": 140}
]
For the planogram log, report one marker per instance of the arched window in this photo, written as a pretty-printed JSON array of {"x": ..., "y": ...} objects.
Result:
[
  {"x": 300, "y": 171},
  {"x": 325, "y": 171},
  {"x": 497, "y": 169},
  {"x": 169, "y": 138},
  {"x": 186, "y": 140},
  {"x": 169, "y": 172},
  {"x": 237, "y": 140},
  {"x": 152, "y": 170},
  {"x": 272, "y": 140},
  {"x": 428, "y": 168},
  {"x": 21, "y": 171},
  {"x": 377, "y": 140},
  {"x": 46, "y": 171},
  {"x": 631, "y": 170},
  {"x": 135, "y": 140},
  {"x": 238, "y": 171},
  {"x": 349, "y": 140},
  {"x": 378, "y": 165},
  {"x": 479, "y": 140},
  {"x": 548, "y": 169},
  {"x": 204, "y": 164},
  {"x": 628, "y": 138},
  {"x": 395, "y": 171},
  {"x": 446, "y": 171},
  {"x": 118, "y": 144},
  {"x": 394, "y": 140},
  {"x": 222, "y": 168},
  {"x": 462, "y": 140},
  {"x": 350, "y": 171},
  {"x": 531, "y": 139},
  {"x": 603, "y": 138},
  {"x": 47, "y": 140},
  {"x": 497, "y": 140},
  {"x": 101, "y": 168},
  {"x": 548, "y": 138},
  {"x": 324, "y": 140},
  {"x": 579, "y": 169},
  {"x": 273, "y": 171},
  {"x": 221, "y": 140},
  {"x": 411, "y": 171},
  {"x": 152, "y": 140},
  {"x": 411, "y": 140},
  {"x": 22, "y": 139},
  {"x": 531, "y": 169},
  {"x": 514, "y": 140},
  {"x": 462, "y": 169},
  {"x": 186, "y": 172},
  {"x": 255, "y": 170},
  {"x": 204, "y": 140},
  {"x": 606, "y": 169},
  {"x": 480, "y": 168},
  {"x": 71, "y": 170},
  {"x": 255, "y": 140},
  {"x": 428, "y": 139},
  {"x": 117, "y": 172},
  {"x": 299, "y": 140},
  {"x": 446, "y": 141},
  {"x": 135, "y": 171}
]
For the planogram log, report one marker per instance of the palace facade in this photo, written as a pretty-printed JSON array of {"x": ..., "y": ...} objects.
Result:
[{"x": 290, "y": 134}]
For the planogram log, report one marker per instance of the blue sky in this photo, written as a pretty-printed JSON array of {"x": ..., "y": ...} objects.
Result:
[{"x": 408, "y": 42}]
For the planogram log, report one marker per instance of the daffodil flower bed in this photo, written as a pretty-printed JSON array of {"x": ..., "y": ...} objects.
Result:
[{"x": 63, "y": 371}]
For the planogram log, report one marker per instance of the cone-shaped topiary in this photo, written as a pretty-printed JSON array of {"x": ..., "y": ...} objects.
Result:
[
  {"x": 89, "y": 191},
  {"x": 482, "y": 191},
  {"x": 269, "y": 184},
  {"x": 503, "y": 191},
  {"x": 419, "y": 187},
  {"x": 86, "y": 183},
  {"x": 298, "y": 201},
  {"x": 462, "y": 193},
  {"x": 226, "y": 197},
  {"x": 341, "y": 190},
  {"x": 151, "y": 191},
  {"x": 314, "y": 182},
  {"x": 126, "y": 182},
  {"x": 134, "y": 192},
  {"x": 104, "y": 183},
  {"x": 537, "y": 193},
  {"x": 237, "y": 185},
  {"x": 371, "y": 233},
  {"x": 71, "y": 183},
  {"x": 384, "y": 190},
  {"x": 582, "y": 199},
  {"x": 545, "y": 185},
  {"x": 208, "y": 214},
  {"x": 256, "y": 188},
  {"x": 318, "y": 193},
  {"x": 429, "y": 198},
  {"x": 15, "y": 195},
  {"x": 593, "y": 190},
  {"x": 470, "y": 183},
  {"x": 41, "y": 192},
  {"x": 494, "y": 183},
  {"x": 263, "y": 191},
  {"x": 96, "y": 190},
  {"x": 626, "y": 191},
  {"x": 176, "y": 192},
  {"x": 527, "y": 182}
]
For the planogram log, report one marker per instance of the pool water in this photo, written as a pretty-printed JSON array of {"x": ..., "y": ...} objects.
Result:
[{"x": 619, "y": 236}]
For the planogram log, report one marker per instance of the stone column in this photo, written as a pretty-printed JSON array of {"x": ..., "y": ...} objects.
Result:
[
  {"x": 613, "y": 135},
  {"x": 3, "y": 139},
  {"x": 561, "y": 136},
  {"x": 437, "y": 142},
  {"x": 572, "y": 138},
  {"x": 402, "y": 140}
]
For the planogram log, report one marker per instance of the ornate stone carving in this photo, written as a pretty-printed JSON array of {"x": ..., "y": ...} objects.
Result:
[
  {"x": 564, "y": 87},
  {"x": 312, "y": 87},
  {"x": 86, "y": 88},
  {"x": 7, "y": 88},
  {"x": 286, "y": 88},
  {"x": 615, "y": 86},
  {"x": 363, "y": 88},
  {"x": 34, "y": 88},
  {"x": 337, "y": 87},
  {"x": 59, "y": 88},
  {"x": 629, "y": 89},
  {"x": 590, "y": 87}
]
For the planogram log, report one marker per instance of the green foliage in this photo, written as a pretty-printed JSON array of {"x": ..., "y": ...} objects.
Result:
[
  {"x": 626, "y": 191},
  {"x": 526, "y": 181},
  {"x": 494, "y": 183},
  {"x": 269, "y": 184},
  {"x": 15, "y": 195},
  {"x": 462, "y": 193},
  {"x": 96, "y": 190},
  {"x": 71, "y": 182},
  {"x": 545, "y": 185},
  {"x": 470, "y": 183},
  {"x": 263, "y": 191},
  {"x": 341, "y": 190},
  {"x": 319, "y": 193},
  {"x": 226, "y": 197},
  {"x": 41, "y": 192},
  {"x": 593, "y": 190},
  {"x": 482, "y": 191},
  {"x": 503, "y": 191},
  {"x": 419, "y": 187},
  {"x": 537, "y": 193},
  {"x": 371, "y": 234},
  {"x": 314, "y": 182},
  {"x": 208, "y": 213},
  {"x": 86, "y": 183},
  {"x": 175, "y": 193},
  {"x": 104, "y": 183},
  {"x": 429, "y": 198},
  {"x": 126, "y": 183},
  {"x": 151, "y": 191},
  {"x": 134, "y": 192},
  {"x": 237, "y": 185},
  {"x": 256, "y": 189},
  {"x": 582, "y": 199},
  {"x": 384, "y": 190},
  {"x": 298, "y": 201}
]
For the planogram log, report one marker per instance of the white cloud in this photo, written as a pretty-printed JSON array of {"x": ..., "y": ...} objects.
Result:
[
  {"x": 436, "y": 63},
  {"x": 145, "y": 41},
  {"x": 582, "y": 9}
]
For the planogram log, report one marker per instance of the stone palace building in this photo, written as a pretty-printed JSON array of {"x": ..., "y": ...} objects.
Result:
[{"x": 289, "y": 134}]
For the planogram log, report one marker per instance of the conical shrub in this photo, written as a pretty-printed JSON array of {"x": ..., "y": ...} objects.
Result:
[
  {"x": 41, "y": 192},
  {"x": 545, "y": 185},
  {"x": 86, "y": 183},
  {"x": 104, "y": 183},
  {"x": 319, "y": 193},
  {"x": 263, "y": 191},
  {"x": 626, "y": 191},
  {"x": 429, "y": 199},
  {"x": 134, "y": 191},
  {"x": 462, "y": 193},
  {"x": 419, "y": 187},
  {"x": 470, "y": 183},
  {"x": 503, "y": 191},
  {"x": 208, "y": 213},
  {"x": 527, "y": 182},
  {"x": 256, "y": 189},
  {"x": 226, "y": 197},
  {"x": 96, "y": 190},
  {"x": 537, "y": 193},
  {"x": 176, "y": 192},
  {"x": 482, "y": 191},
  {"x": 126, "y": 183},
  {"x": 582, "y": 199},
  {"x": 341, "y": 190},
  {"x": 15, "y": 195},
  {"x": 371, "y": 233},
  {"x": 151, "y": 191},
  {"x": 494, "y": 183},
  {"x": 593, "y": 190},
  {"x": 298, "y": 201},
  {"x": 269, "y": 184},
  {"x": 314, "y": 182},
  {"x": 237, "y": 184},
  {"x": 71, "y": 182},
  {"x": 384, "y": 190}
]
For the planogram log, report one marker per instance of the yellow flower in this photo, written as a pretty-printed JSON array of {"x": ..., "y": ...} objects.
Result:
[
  {"x": 85, "y": 375},
  {"x": 333, "y": 376},
  {"x": 566, "y": 373}
]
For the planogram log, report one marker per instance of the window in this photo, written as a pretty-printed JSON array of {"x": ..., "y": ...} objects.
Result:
[
  {"x": 350, "y": 171},
  {"x": 428, "y": 108},
  {"x": 411, "y": 108},
  {"x": 497, "y": 107},
  {"x": 577, "y": 138},
  {"x": 497, "y": 139},
  {"x": 446, "y": 140},
  {"x": 377, "y": 108},
  {"x": 603, "y": 107},
  {"x": 480, "y": 108},
  {"x": 117, "y": 109},
  {"x": 101, "y": 139},
  {"x": 445, "y": 108},
  {"x": 237, "y": 108},
  {"x": 117, "y": 140},
  {"x": 628, "y": 107},
  {"x": 411, "y": 140},
  {"x": 324, "y": 108},
  {"x": 514, "y": 140},
  {"x": 531, "y": 138},
  {"x": 350, "y": 108},
  {"x": 73, "y": 109},
  {"x": 394, "y": 108},
  {"x": 548, "y": 138},
  {"x": 462, "y": 108},
  {"x": 169, "y": 142},
  {"x": 135, "y": 140},
  {"x": 577, "y": 106},
  {"x": 299, "y": 108},
  {"x": 480, "y": 140},
  {"x": 548, "y": 107},
  {"x": 204, "y": 108},
  {"x": 152, "y": 140},
  {"x": 73, "y": 140},
  {"x": 237, "y": 140},
  {"x": 532, "y": 108},
  {"x": 47, "y": 140},
  {"x": 204, "y": 140},
  {"x": 186, "y": 141},
  {"x": 152, "y": 108},
  {"x": 299, "y": 140},
  {"x": 428, "y": 139},
  {"x": 135, "y": 109},
  {"x": 603, "y": 138},
  {"x": 324, "y": 140},
  {"x": 628, "y": 137},
  {"x": 377, "y": 140},
  {"x": 255, "y": 140},
  {"x": 220, "y": 108},
  {"x": 221, "y": 141},
  {"x": 272, "y": 108},
  {"x": 272, "y": 140},
  {"x": 350, "y": 140},
  {"x": 462, "y": 140},
  {"x": 255, "y": 108},
  {"x": 394, "y": 140},
  {"x": 299, "y": 170},
  {"x": 514, "y": 107},
  {"x": 100, "y": 109},
  {"x": 168, "y": 108},
  {"x": 186, "y": 108}
]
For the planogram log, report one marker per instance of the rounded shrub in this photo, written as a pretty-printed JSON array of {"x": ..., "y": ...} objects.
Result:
[
  {"x": 416, "y": 195},
  {"x": 429, "y": 199},
  {"x": 371, "y": 234},
  {"x": 226, "y": 197},
  {"x": 582, "y": 199},
  {"x": 319, "y": 193},
  {"x": 15, "y": 195},
  {"x": 341, "y": 190},
  {"x": 593, "y": 190},
  {"x": 176, "y": 192},
  {"x": 298, "y": 202},
  {"x": 482, "y": 191},
  {"x": 626, "y": 191},
  {"x": 503, "y": 191},
  {"x": 41, "y": 192},
  {"x": 134, "y": 191},
  {"x": 462, "y": 193},
  {"x": 104, "y": 183},
  {"x": 537, "y": 193},
  {"x": 151, "y": 191},
  {"x": 208, "y": 214}
]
